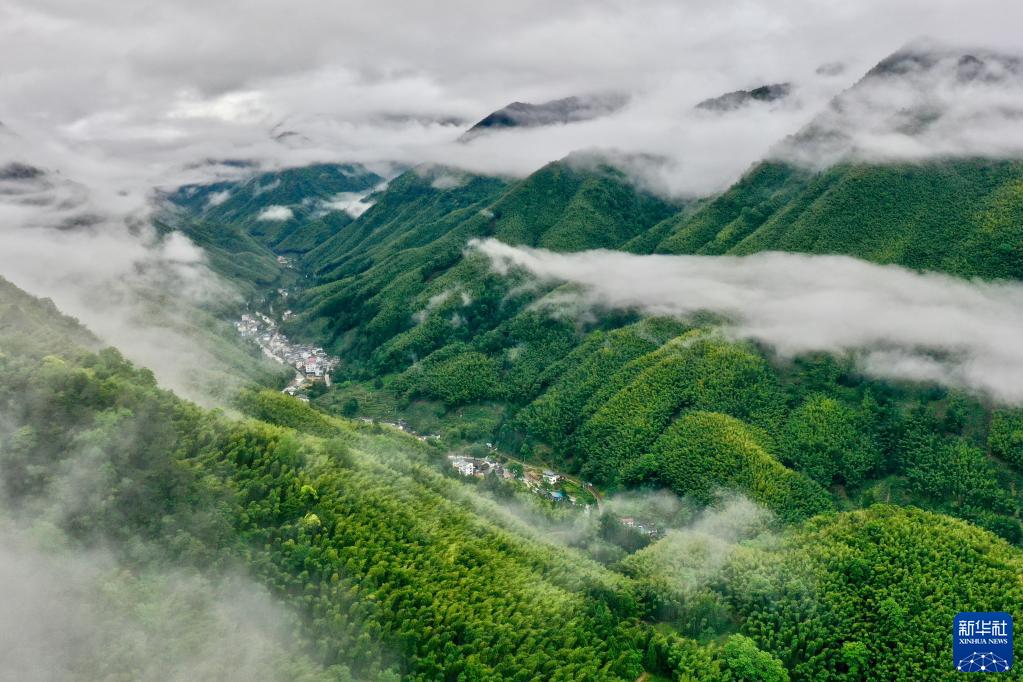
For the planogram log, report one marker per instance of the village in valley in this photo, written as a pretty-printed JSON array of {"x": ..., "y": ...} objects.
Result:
[
  {"x": 548, "y": 484},
  {"x": 543, "y": 482},
  {"x": 311, "y": 363}
]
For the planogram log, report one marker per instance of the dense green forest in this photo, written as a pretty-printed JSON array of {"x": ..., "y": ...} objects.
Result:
[
  {"x": 429, "y": 333},
  {"x": 828, "y": 525},
  {"x": 393, "y": 568},
  {"x": 225, "y": 218},
  {"x": 645, "y": 383},
  {"x": 959, "y": 217}
]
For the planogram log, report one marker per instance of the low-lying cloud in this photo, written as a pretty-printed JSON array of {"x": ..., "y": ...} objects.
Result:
[
  {"x": 82, "y": 615},
  {"x": 91, "y": 247},
  {"x": 352, "y": 203},
  {"x": 692, "y": 556},
  {"x": 217, "y": 198},
  {"x": 276, "y": 214},
  {"x": 899, "y": 324},
  {"x": 926, "y": 101}
]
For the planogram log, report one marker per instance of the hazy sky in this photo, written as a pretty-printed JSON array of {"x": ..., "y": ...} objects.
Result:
[{"x": 147, "y": 88}]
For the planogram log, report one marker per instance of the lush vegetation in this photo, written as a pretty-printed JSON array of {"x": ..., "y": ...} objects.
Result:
[
  {"x": 395, "y": 570},
  {"x": 844, "y": 599},
  {"x": 889, "y": 507},
  {"x": 356, "y": 531},
  {"x": 430, "y": 334},
  {"x": 226, "y": 218},
  {"x": 705, "y": 452},
  {"x": 961, "y": 217}
]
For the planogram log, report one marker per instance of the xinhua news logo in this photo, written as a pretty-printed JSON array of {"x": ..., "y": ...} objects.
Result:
[{"x": 982, "y": 642}]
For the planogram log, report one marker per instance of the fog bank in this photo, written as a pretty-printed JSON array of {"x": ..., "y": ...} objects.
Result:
[{"x": 898, "y": 323}]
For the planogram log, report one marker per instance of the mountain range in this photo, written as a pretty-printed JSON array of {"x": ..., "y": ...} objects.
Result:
[{"x": 750, "y": 514}]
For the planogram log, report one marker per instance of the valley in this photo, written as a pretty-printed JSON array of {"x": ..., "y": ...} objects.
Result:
[{"x": 696, "y": 360}]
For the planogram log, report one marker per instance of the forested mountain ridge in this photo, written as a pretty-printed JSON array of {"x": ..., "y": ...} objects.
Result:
[
  {"x": 34, "y": 326},
  {"x": 830, "y": 188},
  {"x": 408, "y": 248},
  {"x": 424, "y": 326},
  {"x": 395, "y": 569},
  {"x": 876, "y": 491},
  {"x": 429, "y": 332},
  {"x": 554, "y": 112},
  {"x": 245, "y": 225},
  {"x": 960, "y": 217}
]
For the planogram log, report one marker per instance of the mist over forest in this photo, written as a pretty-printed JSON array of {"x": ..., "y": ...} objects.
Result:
[{"x": 622, "y": 341}]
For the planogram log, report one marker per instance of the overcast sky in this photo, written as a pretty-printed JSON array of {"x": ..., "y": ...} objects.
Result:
[{"x": 146, "y": 88}]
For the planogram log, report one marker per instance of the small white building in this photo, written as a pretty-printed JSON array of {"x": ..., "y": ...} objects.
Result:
[{"x": 552, "y": 478}]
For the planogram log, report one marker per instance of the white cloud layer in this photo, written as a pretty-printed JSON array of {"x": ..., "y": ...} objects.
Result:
[
  {"x": 899, "y": 323},
  {"x": 91, "y": 248},
  {"x": 926, "y": 101},
  {"x": 276, "y": 213},
  {"x": 352, "y": 203},
  {"x": 81, "y": 615},
  {"x": 217, "y": 198},
  {"x": 170, "y": 85}
]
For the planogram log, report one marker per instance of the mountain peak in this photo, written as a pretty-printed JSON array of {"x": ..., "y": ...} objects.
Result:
[
  {"x": 964, "y": 66},
  {"x": 730, "y": 101},
  {"x": 559, "y": 111},
  {"x": 922, "y": 101}
]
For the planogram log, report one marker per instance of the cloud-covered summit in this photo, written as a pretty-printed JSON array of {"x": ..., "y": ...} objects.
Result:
[
  {"x": 924, "y": 101},
  {"x": 168, "y": 85},
  {"x": 730, "y": 101},
  {"x": 560, "y": 111}
]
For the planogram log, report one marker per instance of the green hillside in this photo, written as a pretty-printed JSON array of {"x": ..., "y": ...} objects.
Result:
[
  {"x": 899, "y": 629},
  {"x": 429, "y": 333},
  {"x": 960, "y": 217},
  {"x": 867, "y": 595},
  {"x": 227, "y": 218},
  {"x": 390, "y": 564},
  {"x": 393, "y": 569},
  {"x": 408, "y": 250},
  {"x": 34, "y": 327},
  {"x": 300, "y": 189}
]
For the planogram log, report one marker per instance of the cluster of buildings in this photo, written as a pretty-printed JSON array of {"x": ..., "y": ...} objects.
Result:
[
  {"x": 552, "y": 477},
  {"x": 544, "y": 484},
  {"x": 539, "y": 484},
  {"x": 310, "y": 361},
  {"x": 474, "y": 466}
]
